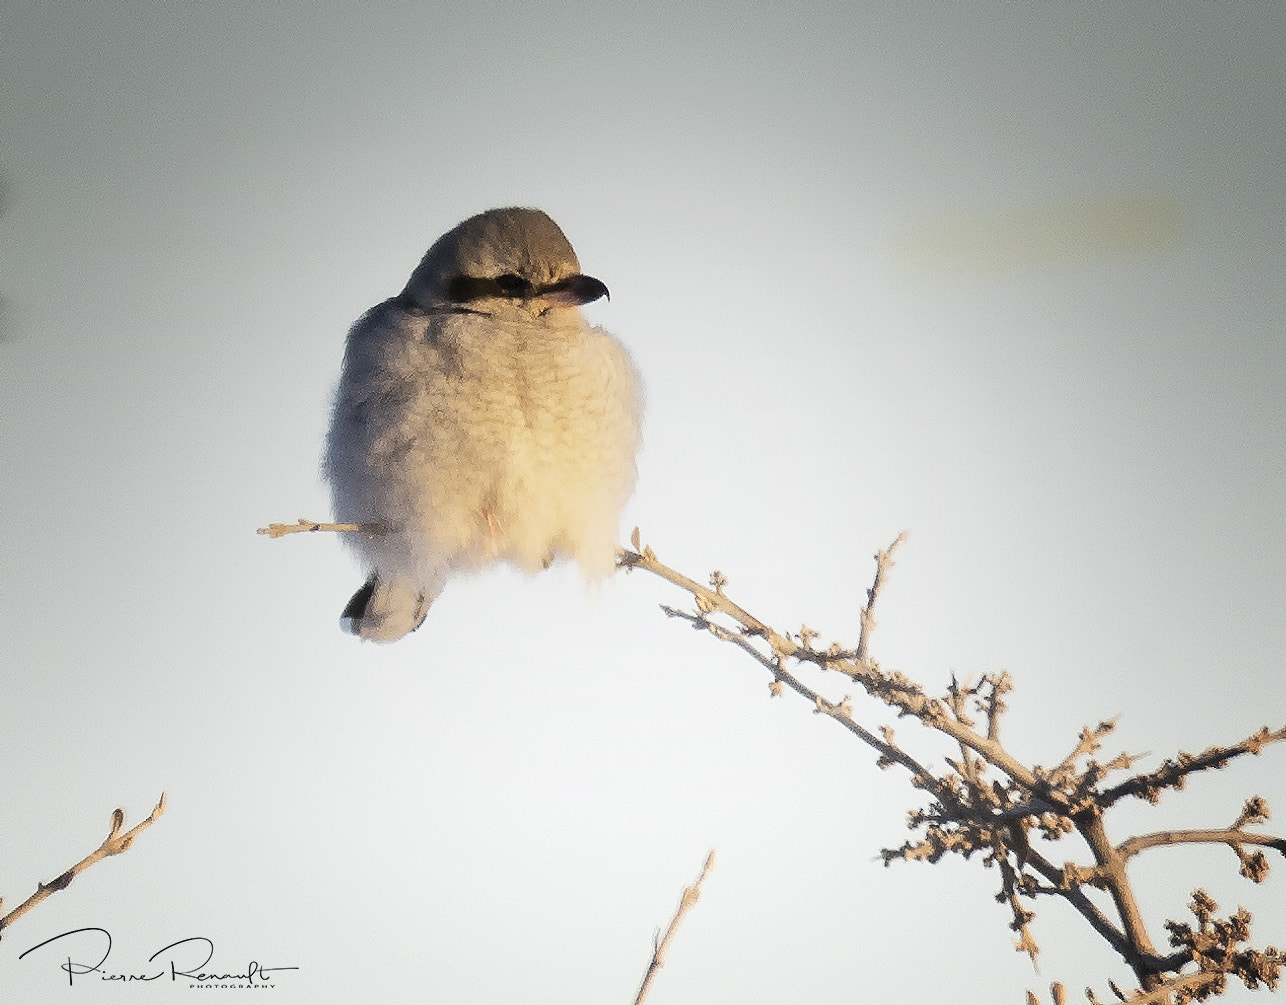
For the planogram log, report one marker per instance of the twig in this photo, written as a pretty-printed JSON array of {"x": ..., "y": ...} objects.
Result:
[
  {"x": 890, "y": 687},
  {"x": 1162, "y": 993},
  {"x": 889, "y": 752},
  {"x": 662, "y": 943},
  {"x": 113, "y": 844},
  {"x": 1232, "y": 838},
  {"x": 1174, "y": 772},
  {"x": 282, "y": 529},
  {"x": 883, "y": 563},
  {"x": 1088, "y": 743}
]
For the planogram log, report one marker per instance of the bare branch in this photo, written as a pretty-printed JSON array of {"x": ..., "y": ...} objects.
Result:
[
  {"x": 647, "y": 560},
  {"x": 113, "y": 844},
  {"x": 974, "y": 814},
  {"x": 1229, "y": 836},
  {"x": 1089, "y": 743},
  {"x": 311, "y": 526},
  {"x": 883, "y": 563},
  {"x": 1215, "y": 945},
  {"x": 993, "y": 703},
  {"x": 661, "y": 944},
  {"x": 889, "y": 752},
  {"x": 1173, "y": 773},
  {"x": 890, "y": 687},
  {"x": 1022, "y": 917}
]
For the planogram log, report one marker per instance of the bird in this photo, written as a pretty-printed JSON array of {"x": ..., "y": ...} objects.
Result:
[{"x": 480, "y": 419}]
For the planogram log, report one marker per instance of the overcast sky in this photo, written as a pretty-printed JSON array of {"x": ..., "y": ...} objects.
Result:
[{"x": 1009, "y": 276}]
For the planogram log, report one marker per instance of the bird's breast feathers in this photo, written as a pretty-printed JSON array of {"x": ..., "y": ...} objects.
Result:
[{"x": 498, "y": 438}]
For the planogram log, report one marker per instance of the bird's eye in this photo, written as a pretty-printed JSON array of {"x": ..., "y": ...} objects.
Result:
[
  {"x": 512, "y": 285},
  {"x": 463, "y": 288}
]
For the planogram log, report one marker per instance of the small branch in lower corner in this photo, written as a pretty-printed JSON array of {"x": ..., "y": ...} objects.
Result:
[
  {"x": 662, "y": 943},
  {"x": 115, "y": 843}
]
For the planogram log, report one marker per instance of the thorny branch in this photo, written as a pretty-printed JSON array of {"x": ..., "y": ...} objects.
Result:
[
  {"x": 990, "y": 802},
  {"x": 1173, "y": 773},
  {"x": 970, "y": 812},
  {"x": 115, "y": 843}
]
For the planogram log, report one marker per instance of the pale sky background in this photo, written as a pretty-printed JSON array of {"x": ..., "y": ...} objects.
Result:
[{"x": 1008, "y": 275}]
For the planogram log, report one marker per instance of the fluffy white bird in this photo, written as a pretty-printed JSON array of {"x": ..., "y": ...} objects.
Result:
[{"x": 479, "y": 418}]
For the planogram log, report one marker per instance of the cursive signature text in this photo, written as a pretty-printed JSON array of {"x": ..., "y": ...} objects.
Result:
[{"x": 180, "y": 960}]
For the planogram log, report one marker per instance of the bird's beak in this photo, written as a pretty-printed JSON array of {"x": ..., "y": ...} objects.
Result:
[{"x": 573, "y": 291}]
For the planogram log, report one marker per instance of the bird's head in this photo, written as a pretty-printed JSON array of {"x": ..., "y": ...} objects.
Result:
[{"x": 500, "y": 259}]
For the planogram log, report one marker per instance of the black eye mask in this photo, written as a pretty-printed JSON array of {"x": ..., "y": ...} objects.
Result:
[{"x": 572, "y": 291}]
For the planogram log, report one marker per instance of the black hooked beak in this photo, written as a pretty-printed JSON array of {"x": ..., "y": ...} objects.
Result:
[{"x": 573, "y": 291}]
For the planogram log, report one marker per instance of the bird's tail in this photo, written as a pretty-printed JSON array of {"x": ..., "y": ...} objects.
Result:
[{"x": 385, "y": 612}]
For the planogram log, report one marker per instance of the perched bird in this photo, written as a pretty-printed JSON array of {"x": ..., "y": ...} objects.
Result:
[{"x": 479, "y": 418}]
